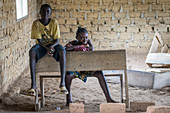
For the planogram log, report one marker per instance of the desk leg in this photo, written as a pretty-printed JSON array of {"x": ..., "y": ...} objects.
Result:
[
  {"x": 37, "y": 104},
  {"x": 126, "y": 88},
  {"x": 42, "y": 92},
  {"x": 121, "y": 89}
]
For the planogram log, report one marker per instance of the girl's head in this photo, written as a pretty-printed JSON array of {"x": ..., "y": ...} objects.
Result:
[
  {"x": 82, "y": 35},
  {"x": 45, "y": 11}
]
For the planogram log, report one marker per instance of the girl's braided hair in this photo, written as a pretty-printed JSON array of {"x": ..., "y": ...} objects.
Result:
[{"x": 81, "y": 30}]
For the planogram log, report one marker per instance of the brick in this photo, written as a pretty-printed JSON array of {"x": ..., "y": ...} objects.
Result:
[
  {"x": 79, "y": 15},
  {"x": 158, "y": 109},
  {"x": 1, "y": 43},
  {"x": 142, "y": 7},
  {"x": 116, "y": 7},
  {"x": 125, "y": 22},
  {"x": 57, "y": 7},
  {"x": 163, "y": 14},
  {"x": 120, "y": 15},
  {"x": 125, "y": 36},
  {"x": 167, "y": 21},
  {"x": 104, "y": 28},
  {"x": 85, "y": 7},
  {"x": 134, "y": 14},
  {"x": 139, "y": 21},
  {"x": 76, "y": 108},
  {"x": 73, "y": 28},
  {"x": 105, "y": 15},
  {"x": 1, "y": 33},
  {"x": 61, "y": 21},
  {"x": 71, "y": 21},
  {"x": 68, "y": 36},
  {"x": 120, "y": 1},
  {"x": 92, "y": 29},
  {"x": 110, "y": 35},
  {"x": 64, "y": 28},
  {"x": 156, "y": 7},
  {"x": 146, "y": 28},
  {"x": 98, "y": 8},
  {"x": 149, "y": 14},
  {"x": 111, "y": 22},
  {"x": 112, "y": 108},
  {"x": 97, "y": 22},
  {"x": 105, "y": 43},
  {"x": 72, "y": 7},
  {"x": 154, "y": 21},
  {"x": 132, "y": 29},
  {"x": 140, "y": 106},
  {"x": 97, "y": 36},
  {"x": 92, "y": 15},
  {"x": 160, "y": 28},
  {"x": 119, "y": 29},
  {"x": 84, "y": 22},
  {"x": 93, "y": 1},
  {"x": 128, "y": 7}
]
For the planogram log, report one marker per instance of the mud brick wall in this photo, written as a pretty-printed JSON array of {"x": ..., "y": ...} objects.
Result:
[
  {"x": 14, "y": 41},
  {"x": 114, "y": 24}
]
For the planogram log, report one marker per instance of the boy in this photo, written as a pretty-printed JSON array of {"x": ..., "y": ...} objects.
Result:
[{"x": 46, "y": 32}]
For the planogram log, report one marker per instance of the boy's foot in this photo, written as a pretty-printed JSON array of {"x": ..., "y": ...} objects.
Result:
[
  {"x": 67, "y": 104},
  {"x": 31, "y": 92},
  {"x": 112, "y": 101},
  {"x": 63, "y": 90}
]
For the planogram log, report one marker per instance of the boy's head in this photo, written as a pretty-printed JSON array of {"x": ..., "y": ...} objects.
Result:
[
  {"x": 45, "y": 11},
  {"x": 82, "y": 35}
]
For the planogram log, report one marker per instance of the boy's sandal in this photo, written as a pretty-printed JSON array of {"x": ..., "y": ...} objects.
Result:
[
  {"x": 31, "y": 92},
  {"x": 63, "y": 90}
]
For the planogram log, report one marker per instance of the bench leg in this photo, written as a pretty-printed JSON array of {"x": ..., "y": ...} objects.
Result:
[
  {"x": 42, "y": 92},
  {"x": 37, "y": 104},
  {"x": 126, "y": 89},
  {"x": 121, "y": 85}
]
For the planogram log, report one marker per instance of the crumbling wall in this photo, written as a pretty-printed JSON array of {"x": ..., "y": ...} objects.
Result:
[
  {"x": 113, "y": 24},
  {"x": 14, "y": 41}
]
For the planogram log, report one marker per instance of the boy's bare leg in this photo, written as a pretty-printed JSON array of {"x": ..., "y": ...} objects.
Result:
[
  {"x": 62, "y": 67},
  {"x": 69, "y": 78},
  {"x": 104, "y": 86},
  {"x": 32, "y": 55}
]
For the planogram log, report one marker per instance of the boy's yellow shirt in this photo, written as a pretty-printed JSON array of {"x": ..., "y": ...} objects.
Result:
[{"x": 46, "y": 33}]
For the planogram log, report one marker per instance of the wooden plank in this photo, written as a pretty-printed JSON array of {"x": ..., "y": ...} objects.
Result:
[
  {"x": 164, "y": 49},
  {"x": 159, "y": 38},
  {"x": 158, "y": 58},
  {"x": 154, "y": 46},
  {"x": 86, "y": 61},
  {"x": 158, "y": 70}
]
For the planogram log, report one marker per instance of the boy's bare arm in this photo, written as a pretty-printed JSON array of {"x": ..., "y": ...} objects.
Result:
[
  {"x": 55, "y": 43},
  {"x": 42, "y": 44}
]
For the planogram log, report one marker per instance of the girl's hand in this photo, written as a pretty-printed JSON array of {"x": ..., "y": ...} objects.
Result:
[{"x": 86, "y": 45}]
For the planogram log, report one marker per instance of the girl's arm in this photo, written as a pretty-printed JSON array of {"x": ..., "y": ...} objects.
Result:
[
  {"x": 70, "y": 47},
  {"x": 90, "y": 45}
]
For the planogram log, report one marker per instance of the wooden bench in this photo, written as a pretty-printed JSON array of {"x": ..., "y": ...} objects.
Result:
[{"x": 83, "y": 61}]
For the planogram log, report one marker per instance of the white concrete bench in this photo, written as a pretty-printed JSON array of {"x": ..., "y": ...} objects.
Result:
[{"x": 83, "y": 61}]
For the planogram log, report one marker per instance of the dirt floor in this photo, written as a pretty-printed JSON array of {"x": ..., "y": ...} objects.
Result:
[{"x": 89, "y": 93}]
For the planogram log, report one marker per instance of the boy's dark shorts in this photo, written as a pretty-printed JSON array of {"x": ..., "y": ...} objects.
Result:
[{"x": 40, "y": 51}]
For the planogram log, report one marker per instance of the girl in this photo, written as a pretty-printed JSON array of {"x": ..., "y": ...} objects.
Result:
[
  {"x": 46, "y": 32},
  {"x": 82, "y": 43}
]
